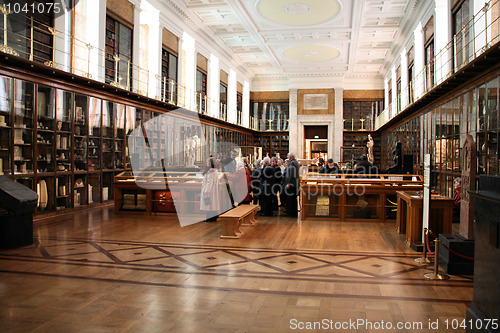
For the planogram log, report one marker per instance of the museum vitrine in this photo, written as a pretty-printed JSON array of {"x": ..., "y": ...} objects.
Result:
[
  {"x": 349, "y": 196},
  {"x": 5, "y": 125},
  {"x": 23, "y": 128}
]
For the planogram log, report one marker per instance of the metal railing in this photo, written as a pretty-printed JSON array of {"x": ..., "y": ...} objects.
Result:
[
  {"x": 268, "y": 124},
  {"x": 68, "y": 53},
  {"x": 475, "y": 37}
]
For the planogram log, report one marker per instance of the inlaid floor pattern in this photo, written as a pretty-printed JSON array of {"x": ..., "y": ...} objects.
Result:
[{"x": 96, "y": 272}]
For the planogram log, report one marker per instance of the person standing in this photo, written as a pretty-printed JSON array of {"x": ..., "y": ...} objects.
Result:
[
  {"x": 292, "y": 185},
  {"x": 255, "y": 185},
  {"x": 229, "y": 163},
  {"x": 266, "y": 182},
  {"x": 240, "y": 184},
  {"x": 209, "y": 198},
  {"x": 330, "y": 167}
]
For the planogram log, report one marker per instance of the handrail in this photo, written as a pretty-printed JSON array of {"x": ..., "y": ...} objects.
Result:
[{"x": 473, "y": 39}]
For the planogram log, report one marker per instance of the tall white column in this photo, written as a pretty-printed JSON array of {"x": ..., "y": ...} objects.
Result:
[
  {"x": 246, "y": 104},
  {"x": 213, "y": 90},
  {"x": 232, "y": 91},
  {"x": 293, "y": 130},
  {"x": 419, "y": 61},
  {"x": 62, "y": 41},
  {"x": 338, "y": 135},
  {"x": 188, "y": 72},
  {"x": 394, "y": 89},
  {"x": 442, "y": 35},
  {"x": 150, "y": 60},
  {"x": 404, "y": 79},
  {"x": 136, "y": 49},
  {"x": 480, "y": 23},
  {"x": 92, "y": 19},
  {"x": 386, "y": 93}
]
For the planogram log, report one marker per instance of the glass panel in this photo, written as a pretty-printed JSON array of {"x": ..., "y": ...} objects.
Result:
[
  {"x": 23, "y": 127},
  {"x": 64, "y": 110},
  {"x": 5, "y": 125},
  {"x": 94, "y": 187},
  {"x": 80, "y": 137},
  {"x": 107, "y": 186},
  {"x": 45, "y": 129},
  {"x": 46, "y": 194},
  {"x": 63, "y": 191},
  {"x": 129, "y": 140},
  {"x": 80, "y": 197},
  {"x": 94, "y": 144},
  {"x": 107, "y": 135},
  {"x": 119, "y": 120}
]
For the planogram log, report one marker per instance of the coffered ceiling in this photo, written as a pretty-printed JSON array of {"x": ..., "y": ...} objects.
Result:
[{"x": 344, "y": 39}]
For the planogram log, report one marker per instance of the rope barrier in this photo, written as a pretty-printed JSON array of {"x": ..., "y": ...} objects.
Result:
[
  {"x": 454, "y": 252},
  {"x": 427, "y": 242}
]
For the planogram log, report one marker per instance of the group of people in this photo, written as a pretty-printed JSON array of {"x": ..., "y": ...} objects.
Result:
[
  {"x": 361, "y": 167},
  {"x": 271, "y": 183},
  {"x": 275, "y": 183}
]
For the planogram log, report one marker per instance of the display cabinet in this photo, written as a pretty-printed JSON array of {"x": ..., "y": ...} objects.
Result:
[
  {"x": 348, "y": 197},
  {"x": 45, "y": 130},
  {"x": 23, "y": 128},
  {"x": 119, "y": 137},
  {"x": 94, "y": 145},
  {"x": 156, "y": 191},
  {"x": 68, "y": 146},
  {"x": 5, "y": 125}
]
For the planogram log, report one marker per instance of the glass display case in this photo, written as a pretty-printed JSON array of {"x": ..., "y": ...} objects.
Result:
[
  {"x": 119, "y": 135},
  {"x": 94, "y": 144},
  {"x": 64, "y": 111},
  {"x": 23, "y": 127},
  {"x": 5, "y": 125},
  {"x": 45, "y": 129},
  {"x": 348, "y": 196},
  {"x": 108, "y": 112}
]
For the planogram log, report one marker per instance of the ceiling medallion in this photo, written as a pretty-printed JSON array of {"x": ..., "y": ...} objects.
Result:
[
  {"x": 311, "y": 53},
  {"x": 298, "y": 12},
  {"x": 297, "y": 9}
]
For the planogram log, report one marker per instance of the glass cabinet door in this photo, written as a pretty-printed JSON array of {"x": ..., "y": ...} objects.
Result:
[
  {"x": 45, "y": 129},
  {"x": 80, "y": 133},
  {"x": 130, "y": 118},
  {"x": 119, "y": 120},
  {"x": 5, "y": 125},
  {"x": 64, "y": 111},
  {"x": 94, "y": 152},
  {"x": 108, "y": 112},
  {"x": 23, "y": 127}
]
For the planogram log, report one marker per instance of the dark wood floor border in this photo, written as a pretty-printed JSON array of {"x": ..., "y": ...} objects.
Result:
[
  {"x": 251, "y": 291},
  {"x": 275, "y": 276},
  {"x": 242, "y": 248}
]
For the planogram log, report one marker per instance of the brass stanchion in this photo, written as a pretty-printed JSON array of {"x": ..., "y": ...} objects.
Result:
[
  {"x": 424, "y": 258},
  {"x": 435, "y": 275}
]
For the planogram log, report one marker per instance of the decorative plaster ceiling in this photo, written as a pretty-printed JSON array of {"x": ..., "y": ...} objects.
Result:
[
  {"x": 311, "y": 53},
  {"x": 304, "y": 12},
  {"x": 307, "y": 38}
]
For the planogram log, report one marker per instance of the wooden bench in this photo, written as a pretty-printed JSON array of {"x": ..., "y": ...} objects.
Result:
[{"x": 233, "y": 219}]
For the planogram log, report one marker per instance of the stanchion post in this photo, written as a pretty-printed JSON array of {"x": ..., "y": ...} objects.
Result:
[
  {"x": 424, "y": 258},
  {"x": 435, "y": 275}
]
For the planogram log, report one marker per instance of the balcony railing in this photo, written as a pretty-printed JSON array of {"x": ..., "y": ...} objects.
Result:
[
  {"x": 268, "y": 124},
  {"x": 474, "y": 38},
  {"x": 73, "y": 55}
]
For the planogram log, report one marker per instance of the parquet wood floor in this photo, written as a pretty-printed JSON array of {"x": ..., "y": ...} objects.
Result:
[{"x": 93, "y": 271}]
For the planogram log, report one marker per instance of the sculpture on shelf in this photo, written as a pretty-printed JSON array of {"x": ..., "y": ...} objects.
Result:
[
  {"x": 369, "y": 144},
  {"x": 397, "y": 167},
  {"x": 191, "y": 146}
]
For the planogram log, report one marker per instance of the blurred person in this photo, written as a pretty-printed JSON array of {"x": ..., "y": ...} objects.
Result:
[{"x": 209, "y": 198}]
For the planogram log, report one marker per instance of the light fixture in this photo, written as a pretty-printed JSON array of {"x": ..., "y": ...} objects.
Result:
[{"x": 316, "y": 136}]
